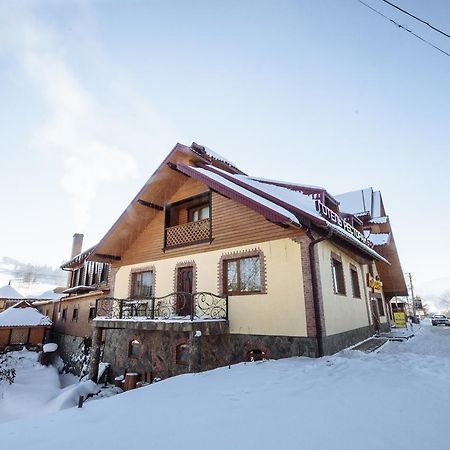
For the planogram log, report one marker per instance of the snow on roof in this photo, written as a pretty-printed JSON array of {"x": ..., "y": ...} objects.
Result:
[
  {"x": 218, "y": 157},
  {"x": 49, "y": 295},
  {"x": 269, "y": 181},
  {"x": 256, "y": 198},
  {"x": 379, "y": 238},
  {"x": 23, "y": 314},
  {"x": 356, "y": 202},
  {"x": 378, "y": 220},
  {"x": 9, "y": 292},
  {"x": 289, "y": 200}
]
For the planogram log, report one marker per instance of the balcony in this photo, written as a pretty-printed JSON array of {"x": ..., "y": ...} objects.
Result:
[
  {"x": 188, "y": 233},
  {"x": 176, "y": 307}
]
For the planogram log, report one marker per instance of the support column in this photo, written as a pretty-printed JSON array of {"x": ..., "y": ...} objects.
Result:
[{"x": 95, "y": 353}]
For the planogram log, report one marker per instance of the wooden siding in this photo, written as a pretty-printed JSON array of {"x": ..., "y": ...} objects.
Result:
[{"x": 232, "y": 225}]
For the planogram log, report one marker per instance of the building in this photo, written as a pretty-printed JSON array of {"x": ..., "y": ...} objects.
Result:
[
  {"x": 22, "y": 325},
  {"x": 73, "y": 313},
  {"x": 9, "y": 296},
  {"x": 210, "y": 266}
]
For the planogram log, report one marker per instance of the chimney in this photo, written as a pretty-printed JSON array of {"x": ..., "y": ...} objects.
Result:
[{"x": 77, "y": 244}]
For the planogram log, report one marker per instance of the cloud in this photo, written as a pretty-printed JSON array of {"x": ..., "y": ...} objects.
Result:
[{"x": 74, "y": 126}]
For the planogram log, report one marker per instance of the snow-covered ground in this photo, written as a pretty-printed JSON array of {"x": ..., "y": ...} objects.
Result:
[
  {"x": 397, "y": 398},
  {"x": 37, "y": 389}
]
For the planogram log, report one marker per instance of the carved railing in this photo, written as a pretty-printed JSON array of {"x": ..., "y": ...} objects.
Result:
[
  {"x": 177, "y": 305},
  {"x": 188, "y": 233}
]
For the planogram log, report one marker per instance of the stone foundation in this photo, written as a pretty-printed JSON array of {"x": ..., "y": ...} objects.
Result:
[
  {"x": 339, "y": 341},
  {"x": 158, "y": 351}
]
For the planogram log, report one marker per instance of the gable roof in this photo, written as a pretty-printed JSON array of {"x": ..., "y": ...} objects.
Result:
[
  {"x": 23, "y": 314},
  {"x": 9, "y": 292},
  {"x": 286, "y": 204}
]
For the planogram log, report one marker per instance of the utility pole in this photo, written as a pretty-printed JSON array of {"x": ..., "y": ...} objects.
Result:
[{"x": 412, "y": 294}]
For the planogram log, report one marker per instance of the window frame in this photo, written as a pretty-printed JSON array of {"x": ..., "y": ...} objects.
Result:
[
  {"x": 338, "y": 277},
  {"x": 238, "y": 272},
  {"x": 133, "y": 277},
  {"x": 354, "y": 277},
  {"x": 75, "y": 313},
  {"x": 91, "y": 316},
  {"x": 191, "y": 211},
  {"x": 64, "y": 314}
]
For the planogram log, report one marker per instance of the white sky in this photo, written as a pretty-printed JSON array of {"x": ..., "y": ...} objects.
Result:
[{"x": 95, "y": 94}]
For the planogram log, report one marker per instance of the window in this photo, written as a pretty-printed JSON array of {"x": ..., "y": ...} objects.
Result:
[
  {"x": 75, "y": 314},
  {"x": 338, "y": 275},
  {"x": 134, "y": 349},
  {"x": 142, "y": 284},
  {"x": 64, "y": 314},
  {"x": 355, "y": 282},
  {"x": 91, "y": 312},
  {"x": 182, "y": 354},
  {"x": 242, "y": 275},
  {"x": 47, "y": 312},
  {"x": 198, "y": 213},
  {"x": 380, "y": 306}
]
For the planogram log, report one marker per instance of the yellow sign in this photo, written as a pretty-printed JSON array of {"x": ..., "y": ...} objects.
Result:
[
  {"x": 400, "y": 319},
  {"x": 374, "y": 283}
]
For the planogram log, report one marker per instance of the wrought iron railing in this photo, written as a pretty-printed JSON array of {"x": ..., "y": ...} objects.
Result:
[
  {"x": 188, "y": 232},
  {"x": 177, "y": 305}
]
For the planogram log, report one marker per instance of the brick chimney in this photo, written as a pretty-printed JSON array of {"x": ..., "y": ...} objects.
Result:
[{"x": 77, "y": 244}]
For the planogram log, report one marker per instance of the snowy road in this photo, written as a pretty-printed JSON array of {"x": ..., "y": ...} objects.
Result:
[{"x": 385, "y": 400}]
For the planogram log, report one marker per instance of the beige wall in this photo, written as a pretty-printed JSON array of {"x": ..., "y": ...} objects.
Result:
[
  {"x": 281, "y": 311},
  {"x": 341, "y": 312},
  {"x": 385, "y": 318}
]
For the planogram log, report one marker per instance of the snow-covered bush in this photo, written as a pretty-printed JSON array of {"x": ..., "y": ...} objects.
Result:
[{"x": 6, "y": 374}]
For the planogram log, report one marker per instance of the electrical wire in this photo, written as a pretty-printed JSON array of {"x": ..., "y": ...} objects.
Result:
[
  {"x": 417, "y": 18},
  {"x": 404, "y": 28}
]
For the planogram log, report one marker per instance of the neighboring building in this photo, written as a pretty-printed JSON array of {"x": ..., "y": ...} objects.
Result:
[
  {"x": 23, "y": 325},
  {"x": 211, "y": 267},
  {"x": 9, "y": 296},
  {"x": 72, "y": 314}
]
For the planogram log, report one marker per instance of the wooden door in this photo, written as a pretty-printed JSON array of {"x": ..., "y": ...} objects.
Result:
[{"x": 184, "y": 288}]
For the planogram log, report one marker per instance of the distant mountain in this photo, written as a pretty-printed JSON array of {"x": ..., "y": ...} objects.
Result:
[{"x": 30, "y": 279}]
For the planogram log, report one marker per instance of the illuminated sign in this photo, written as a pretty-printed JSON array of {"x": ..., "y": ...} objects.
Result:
[
  {"x": 333, "y": 217},
  {"x": 374, "y": 283}
]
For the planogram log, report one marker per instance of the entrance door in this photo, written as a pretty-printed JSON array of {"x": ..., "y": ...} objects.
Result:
[
  {"x": 375, "y": 314},
  {"x": 184, "y": 288}
]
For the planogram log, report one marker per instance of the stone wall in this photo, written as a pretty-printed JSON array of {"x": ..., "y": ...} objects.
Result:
[
  {"x": 339, "y": 341},
  {"x": 158, "y": 351},
  {"x": 74, "y": 351}
]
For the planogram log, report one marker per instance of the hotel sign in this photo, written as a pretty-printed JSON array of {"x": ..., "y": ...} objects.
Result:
[
  {"x": 333, "y": 217},
  {"x": 374, "y": 283}
]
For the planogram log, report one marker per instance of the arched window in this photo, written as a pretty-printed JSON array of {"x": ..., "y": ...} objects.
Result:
[
  {"x": 256, "y": 355},
  {"x": 134, "y": 349},
  {"x": 182, "y": 354}
]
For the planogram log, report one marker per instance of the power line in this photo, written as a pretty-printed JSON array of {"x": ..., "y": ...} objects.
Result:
[
  {"x": 417, "y": 18},
  {"x": 404, "y": 28}
]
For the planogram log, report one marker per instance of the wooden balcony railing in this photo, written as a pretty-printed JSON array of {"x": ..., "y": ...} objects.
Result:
[{"x": 188, "y": 233}]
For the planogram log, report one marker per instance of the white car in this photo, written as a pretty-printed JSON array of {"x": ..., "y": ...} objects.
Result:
[{"x": 440, "y": 319}]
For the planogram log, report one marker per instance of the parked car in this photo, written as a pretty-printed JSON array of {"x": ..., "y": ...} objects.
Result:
[{"x": 440, "y": 319}]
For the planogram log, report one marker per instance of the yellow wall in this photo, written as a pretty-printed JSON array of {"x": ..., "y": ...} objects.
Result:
[
  {"x": 279, "y": 312},
  {"x": 342, "y": 312}
]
